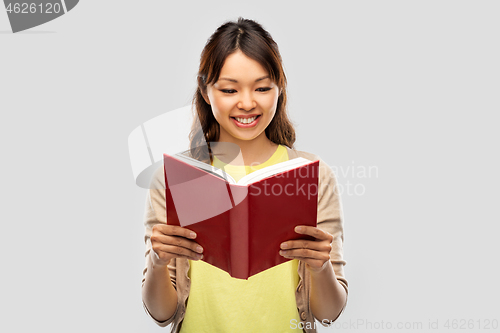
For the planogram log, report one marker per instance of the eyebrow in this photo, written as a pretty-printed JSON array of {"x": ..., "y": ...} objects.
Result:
[{"x": 233, "y": 80}]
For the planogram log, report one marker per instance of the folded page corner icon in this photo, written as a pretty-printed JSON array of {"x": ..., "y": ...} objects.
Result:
[{"x": 25, "y": 15}]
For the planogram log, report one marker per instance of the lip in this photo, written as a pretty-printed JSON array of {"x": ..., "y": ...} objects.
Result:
[
  {"x": 252, "y": 124},
  {"x": 246, "y": 116}
]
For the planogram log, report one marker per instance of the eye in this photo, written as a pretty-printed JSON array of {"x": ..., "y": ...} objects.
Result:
[
  {"x": 264, "y": 89},
  {"x": 228, "y": 91}
]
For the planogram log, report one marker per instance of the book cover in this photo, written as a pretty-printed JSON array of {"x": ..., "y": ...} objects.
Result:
[{"x": 241, "y": 226}]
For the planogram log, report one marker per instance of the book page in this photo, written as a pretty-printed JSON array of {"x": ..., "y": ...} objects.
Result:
[{"x": 272, "y": 170}]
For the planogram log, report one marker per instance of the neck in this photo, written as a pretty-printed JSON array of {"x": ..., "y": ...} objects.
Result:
[{"x": 245, "y": 152}]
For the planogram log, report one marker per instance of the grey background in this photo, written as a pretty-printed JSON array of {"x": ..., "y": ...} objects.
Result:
[{"x": 410, "y": 87}]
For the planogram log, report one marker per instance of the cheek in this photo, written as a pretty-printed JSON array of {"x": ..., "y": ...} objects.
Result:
[
  {"x": 217, "y": 104},
  {"x": 270, "y": 103},
  {"x": 216, "y": 112},
  {"x": 221, "y": 106}
]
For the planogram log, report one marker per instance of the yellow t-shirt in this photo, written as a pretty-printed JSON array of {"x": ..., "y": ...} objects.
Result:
[{"x": 263, "y": 303}]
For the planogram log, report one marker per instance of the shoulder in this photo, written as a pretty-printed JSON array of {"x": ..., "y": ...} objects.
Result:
[
  {"x": 157, "y": 181},
  {"x": 294, "y": 153},
  {"x": 325, "y": 170}
]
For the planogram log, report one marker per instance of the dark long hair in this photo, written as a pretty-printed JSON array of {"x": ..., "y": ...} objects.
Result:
[{"x": 256, "y": 43}]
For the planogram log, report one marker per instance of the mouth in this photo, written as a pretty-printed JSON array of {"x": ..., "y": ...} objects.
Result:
[{"x": 246, "y": 121}]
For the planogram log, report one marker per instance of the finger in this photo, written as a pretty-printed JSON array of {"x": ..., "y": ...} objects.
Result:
[
  {"x": 322, "y": 246},
  {"x": 176, "y": 241},
  {"x": 305, "y": 253},
  {"x": 173, "y": 230},
  {"x": 168, "y": 251},
  {"x": 314, "y": 231}
]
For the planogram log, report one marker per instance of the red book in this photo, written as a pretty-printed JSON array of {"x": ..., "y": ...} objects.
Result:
[{"x": 240, "y": 225}]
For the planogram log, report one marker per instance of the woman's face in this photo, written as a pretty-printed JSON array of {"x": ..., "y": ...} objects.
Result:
[{"x": 243, "y": 100}]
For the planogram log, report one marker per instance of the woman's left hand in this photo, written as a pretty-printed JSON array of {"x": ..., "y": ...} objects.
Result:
[{"x": 314, "y": 253}]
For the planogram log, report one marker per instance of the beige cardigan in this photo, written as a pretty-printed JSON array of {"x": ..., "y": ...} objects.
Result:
[{"x": 330, "y": 219}]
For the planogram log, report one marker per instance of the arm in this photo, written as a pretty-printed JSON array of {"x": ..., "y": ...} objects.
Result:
[
  {"x": 323, "y": 256},
  {"x": 164, "y": 243},
  {"x": 329, "y": 286},
  {"x": 159, "y": 295},
  {"x": 328, "y": 296}
]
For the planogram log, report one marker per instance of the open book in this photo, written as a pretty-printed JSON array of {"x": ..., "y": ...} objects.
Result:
[{"x": 240, "y": 225}]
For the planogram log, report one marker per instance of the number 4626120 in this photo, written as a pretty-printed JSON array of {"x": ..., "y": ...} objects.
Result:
[
  {"x": 32, "y": 8},
  {"x": 471, "y": 324}
]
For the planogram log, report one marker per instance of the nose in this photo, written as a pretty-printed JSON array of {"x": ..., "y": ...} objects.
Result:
[{"x": 246, "y": 102}]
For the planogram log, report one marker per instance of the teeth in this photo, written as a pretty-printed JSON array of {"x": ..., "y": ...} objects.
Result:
[{"x": 246, "y": 120}]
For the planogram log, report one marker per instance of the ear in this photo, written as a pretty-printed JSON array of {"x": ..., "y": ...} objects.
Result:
[
  {"x": 205, "y": 96},
  {"x": 203, "y": 89}
]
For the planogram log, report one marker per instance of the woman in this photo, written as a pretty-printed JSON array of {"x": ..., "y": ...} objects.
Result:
[{"x": 241, "y": 100}]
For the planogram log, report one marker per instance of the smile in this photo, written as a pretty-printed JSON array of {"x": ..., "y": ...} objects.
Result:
[{"x": 246, "y": 122}]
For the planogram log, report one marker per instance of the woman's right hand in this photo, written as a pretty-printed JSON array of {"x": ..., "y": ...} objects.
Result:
[{"x": 170, "y": 241}]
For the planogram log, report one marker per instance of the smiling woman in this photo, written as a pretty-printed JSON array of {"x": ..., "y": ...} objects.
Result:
[
  {"x": 241, "y": 100},
  {"x": 241, "y": 62}
]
